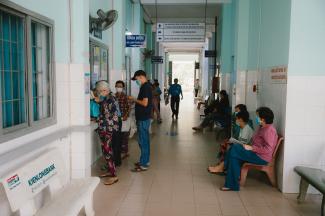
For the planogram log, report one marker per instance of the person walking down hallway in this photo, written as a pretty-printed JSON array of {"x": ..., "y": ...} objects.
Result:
[
  {"x": 143, "y": 109},
  {"x": 175, "y": 90}
]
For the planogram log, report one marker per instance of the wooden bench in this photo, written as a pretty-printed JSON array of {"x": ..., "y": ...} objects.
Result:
[
  {"x": 314, "y": 177},
  {"x": 269, "y": 169},
  {"x": 45, "y": 175}
]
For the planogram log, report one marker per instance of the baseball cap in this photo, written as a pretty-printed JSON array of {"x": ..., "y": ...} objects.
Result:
[{"x": 139, "y": 73}]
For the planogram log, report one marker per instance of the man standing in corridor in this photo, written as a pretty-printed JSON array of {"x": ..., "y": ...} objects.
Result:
[
  {"x": 143, "y": 108},
  {"x": 175, "y": 90}
]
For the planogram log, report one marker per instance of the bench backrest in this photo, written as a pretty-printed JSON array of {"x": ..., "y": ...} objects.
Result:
[
  {"x": 280, "y": 141},
  {"x": 24, "y": 183}
]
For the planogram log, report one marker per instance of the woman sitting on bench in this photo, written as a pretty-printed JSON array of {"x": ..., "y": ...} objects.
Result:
[
  {"x": 260, "y": 152},
  {"x": 244, "y": 137}
]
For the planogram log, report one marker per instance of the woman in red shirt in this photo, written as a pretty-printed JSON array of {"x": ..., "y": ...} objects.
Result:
[{"x": 260, "y": 152}]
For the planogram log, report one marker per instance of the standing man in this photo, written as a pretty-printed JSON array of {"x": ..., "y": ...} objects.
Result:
[
  {"x": 143, "y": 108},
  {"x": 197, "y": 87},
  {"x": 175, "y": 90}
]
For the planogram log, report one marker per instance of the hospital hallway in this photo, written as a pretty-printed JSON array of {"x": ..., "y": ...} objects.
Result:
[{"x": 178, "y": 184}]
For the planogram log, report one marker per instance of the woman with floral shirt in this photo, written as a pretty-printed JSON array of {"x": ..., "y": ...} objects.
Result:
[{"x": 108, "y": 124}]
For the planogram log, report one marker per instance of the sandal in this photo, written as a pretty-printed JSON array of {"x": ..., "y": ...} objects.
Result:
[
  {"x": 139, "y": 169},
  {"x": 111, "y": 181},
  {"x": 215, "y": 173}
]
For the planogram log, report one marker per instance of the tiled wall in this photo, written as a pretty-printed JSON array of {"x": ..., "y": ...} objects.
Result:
[
  {"x": 305, "y": 140},
  {"x": 268, "y": 94}
]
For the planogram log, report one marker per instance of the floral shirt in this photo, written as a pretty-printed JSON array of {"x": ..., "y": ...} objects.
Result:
[
  {"x": 123, "y": 104},
  {"x": 108, "y": 119}
]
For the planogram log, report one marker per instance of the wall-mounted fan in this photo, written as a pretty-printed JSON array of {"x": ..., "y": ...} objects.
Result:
[{"x": 104, "y": 20}]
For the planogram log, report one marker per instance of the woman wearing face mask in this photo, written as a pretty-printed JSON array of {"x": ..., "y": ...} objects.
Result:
[
  {"x": 108, "y": 124},
  {"x": 259, "y": 153},
  {"x": 125, "y": 109},
  {"x": 245, "y": 136}
]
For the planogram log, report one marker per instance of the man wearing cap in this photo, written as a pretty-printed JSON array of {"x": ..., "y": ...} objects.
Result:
[{"x": 143, "y": 108}]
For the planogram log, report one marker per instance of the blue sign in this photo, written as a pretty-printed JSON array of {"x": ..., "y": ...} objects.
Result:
[{"x": 135, "y": 41}]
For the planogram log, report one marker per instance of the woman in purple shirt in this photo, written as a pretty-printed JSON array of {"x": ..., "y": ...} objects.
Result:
[{"x": 260, "y": 152}]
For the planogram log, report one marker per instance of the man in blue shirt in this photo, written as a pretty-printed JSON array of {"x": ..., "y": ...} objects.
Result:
[{"x": 175, "y": 90}]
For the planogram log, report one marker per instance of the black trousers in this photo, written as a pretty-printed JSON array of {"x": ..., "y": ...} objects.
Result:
[
  {"x": 117, "y": 145},
  {"x": 196, "y": 92},
  {"x": 174, "y": 105}
]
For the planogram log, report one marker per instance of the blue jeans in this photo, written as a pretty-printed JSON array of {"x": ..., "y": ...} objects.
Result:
[
  {"x": 235, "y": 157},
  {"x": 144, "y": 141}
]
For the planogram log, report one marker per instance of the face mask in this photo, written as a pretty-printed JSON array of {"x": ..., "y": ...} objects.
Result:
[
  {"x": 101, "y": 98},
  {"x": 258, "y": 120},
  {"x": 237, "y": 123},
  {"x": 138, "y": 82},
  {"x": 236, "y": 113},
  {"x": 119, "y": 90}
]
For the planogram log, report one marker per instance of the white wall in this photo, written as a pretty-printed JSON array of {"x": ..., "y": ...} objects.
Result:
[
  {"x": 26, "y": 144},
  {"x": 305, "y": 141}
]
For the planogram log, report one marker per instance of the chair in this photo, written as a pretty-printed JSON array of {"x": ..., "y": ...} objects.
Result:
[{"x": 269, "y": 169}]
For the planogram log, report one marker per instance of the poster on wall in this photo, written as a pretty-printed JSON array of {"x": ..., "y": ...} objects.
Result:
[{"x": 279, "y": 75}]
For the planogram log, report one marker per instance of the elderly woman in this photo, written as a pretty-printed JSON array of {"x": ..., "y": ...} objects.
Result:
[{"x": 108, "y": 124}]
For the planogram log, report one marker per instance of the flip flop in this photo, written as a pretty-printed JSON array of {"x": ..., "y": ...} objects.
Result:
[{"x": 215, "y": 173}]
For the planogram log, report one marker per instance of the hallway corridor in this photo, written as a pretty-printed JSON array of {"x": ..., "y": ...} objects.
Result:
[{"x": 178, "y": 184}]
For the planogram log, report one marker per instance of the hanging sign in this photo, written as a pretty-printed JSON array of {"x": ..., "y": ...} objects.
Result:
[
  {"x": 180, "y": 32},
  {"x": 157, "y": 60},
  {"x": 135, "y": 41},
  {"x": 210, "y": 54}
]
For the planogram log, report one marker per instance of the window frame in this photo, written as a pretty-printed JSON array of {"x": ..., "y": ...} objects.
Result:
[{"x": 30, "y": 125}]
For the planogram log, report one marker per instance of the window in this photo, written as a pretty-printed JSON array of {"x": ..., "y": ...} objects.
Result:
[
  {"x": 13, "y": 94},
  {"x": 26, "y": 71},
  {"x": 41, "y": 71},
  {"x": 98, "y": 62}
]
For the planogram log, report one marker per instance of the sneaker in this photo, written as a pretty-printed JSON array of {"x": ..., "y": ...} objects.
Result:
[
  {"x": 138, "y": 164},
  {"x": 197, "y": 128}
]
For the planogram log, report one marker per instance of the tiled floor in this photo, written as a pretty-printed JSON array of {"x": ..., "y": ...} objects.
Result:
[{"x": 178, "y": 184}]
